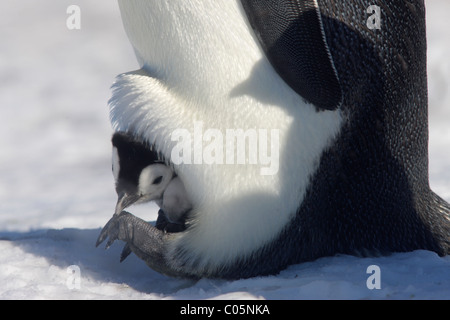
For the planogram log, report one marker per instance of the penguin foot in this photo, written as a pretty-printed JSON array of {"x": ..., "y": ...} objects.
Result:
[
  {"x": 128, "y": 228},
  {"x": 112, "y": 230},
  {"x": 126, "y": 251},
  {"x": 141, "y": 238}
]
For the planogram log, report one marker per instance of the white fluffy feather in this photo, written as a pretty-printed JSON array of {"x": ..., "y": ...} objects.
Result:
[
  {"x": 200, "y": 62},
  {"x": 175, "y": 202}
]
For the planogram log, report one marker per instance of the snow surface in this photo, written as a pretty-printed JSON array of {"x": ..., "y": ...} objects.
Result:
[{"x": 56, "y": 186}]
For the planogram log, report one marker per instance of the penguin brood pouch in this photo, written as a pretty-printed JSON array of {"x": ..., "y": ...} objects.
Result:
[{"x": 285, "y": 130}]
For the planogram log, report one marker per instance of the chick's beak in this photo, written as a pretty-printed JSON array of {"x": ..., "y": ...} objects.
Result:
[{"x": 124, "y": 201}]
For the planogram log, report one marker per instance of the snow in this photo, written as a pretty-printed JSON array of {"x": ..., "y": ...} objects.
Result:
[{"x": 56, "y": 187}]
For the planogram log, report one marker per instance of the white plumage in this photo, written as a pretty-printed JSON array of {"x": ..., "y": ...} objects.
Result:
[
  {"x": 200, "y": 62},
  {"x": 175, "y": 202}
]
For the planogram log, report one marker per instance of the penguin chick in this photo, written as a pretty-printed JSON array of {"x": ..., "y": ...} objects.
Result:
[
  {"x": 140, "y": 176},
  {"x": 153, "y": 181},
  {"x": 175, "y": 203}
]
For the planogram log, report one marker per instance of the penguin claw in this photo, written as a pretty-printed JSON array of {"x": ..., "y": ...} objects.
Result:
[
  {"x": 111, "y": 230},
  {"x": 120, "y": 227},
  {"x": 143, "y": 239},
  {"x": 109, "y": 243},
  {"x": 125, "y": 252},
  {"x": 104, "y": 233}
]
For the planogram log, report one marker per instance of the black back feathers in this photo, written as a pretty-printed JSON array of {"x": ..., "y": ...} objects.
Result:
[
  {"x": 134, "y": 156},
  {"x": 292, "y": 37}
]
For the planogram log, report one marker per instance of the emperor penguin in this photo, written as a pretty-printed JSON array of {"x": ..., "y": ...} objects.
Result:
[{"x": 346, "y": 98}]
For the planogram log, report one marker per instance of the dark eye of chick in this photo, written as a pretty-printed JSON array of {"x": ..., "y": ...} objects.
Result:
[{"x": 158, "y": 180}]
